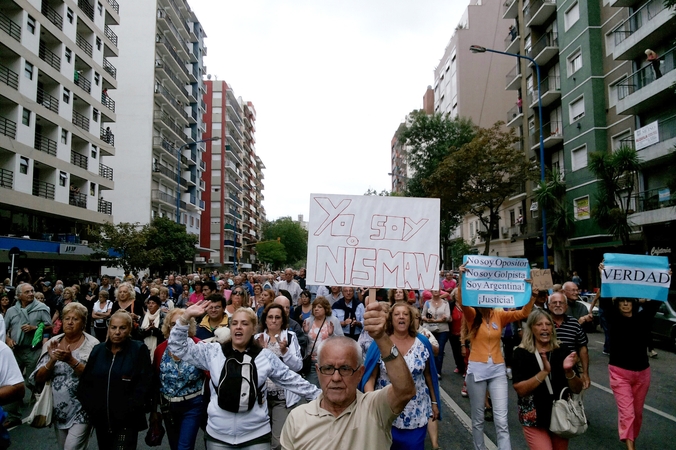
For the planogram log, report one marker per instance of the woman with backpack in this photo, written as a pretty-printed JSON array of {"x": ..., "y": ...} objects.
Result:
[{"x": 237, "y": 413}]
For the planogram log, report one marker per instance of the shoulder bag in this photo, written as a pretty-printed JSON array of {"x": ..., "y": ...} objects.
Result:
[
  {"x": 307, "y": 359},
  {"x": 568, "y": 417},
  {"x": 41, "y": 415}
]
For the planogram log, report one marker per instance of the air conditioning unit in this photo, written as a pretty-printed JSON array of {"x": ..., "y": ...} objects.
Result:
[{"x": 210, "y": 261}]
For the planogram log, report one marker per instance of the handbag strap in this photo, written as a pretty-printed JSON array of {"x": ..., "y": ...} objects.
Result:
[
  {"x": 317, "y": 337},
  {"x": 549, "y": 384}
]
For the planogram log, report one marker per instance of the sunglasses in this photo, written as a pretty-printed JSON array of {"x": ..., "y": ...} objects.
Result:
[{"x": 238, "y": 293}]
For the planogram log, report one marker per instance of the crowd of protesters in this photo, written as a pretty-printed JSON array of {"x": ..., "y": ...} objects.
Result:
[{"x": 236, "y": 354}]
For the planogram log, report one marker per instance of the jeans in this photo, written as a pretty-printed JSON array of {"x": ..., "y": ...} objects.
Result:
[
  {"x": 312, "y": 377},
  {"x": 183, "y": 422},
  {"x": 630, "y": 389},
  {"x": 278, "y": 413},
  {"x": 477, "y": 393},
  {"x": 442, "y": 337}
]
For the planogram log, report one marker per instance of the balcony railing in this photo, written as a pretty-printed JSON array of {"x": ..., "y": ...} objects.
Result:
[
  {"x": 174, "y": 55},
  {"x": 172, "y": 100},
  {"x": 169, "y": 122},
  {"x": 548, "y": 40},
  {"x": 10, "y": 27},
  {"x": 108, "y": 67},
  {"x": 105, "y": 207},
  {"x": 49, "y": 56},
  {"x": 235, "y": 198},
  {"x": 203, "y": 165},
  {"x": 165, "y": 144},
  {"x": 171, "y": 174},
  {"x": 7, "y": 127},
  {"x": 534, "y": 7},
  {"x": 79, "y": 160},
  {"x": 107, "y": 136},
  {"x": 108, "y": 102},
  {"x": 645, "y": 75},
  {"x": 178, "y": 12},
  {"x": 640, "y": 17},
  {"x": 163, "y": 196},
  {"x": 549, "y": 130},
  {"x": 110, "y": 34},
  {"x": 78, "y": 199},
  {"x": 45, "y": 144},
  {"x": 115, "y": 5},
  {"x": 6, "y": 178},
  {"x": 653, "y": 199},
  {"x": 52, "y": 15},
  {"x": 80, "y": 121},
  {"x": 84, "y": 83},
  {"x": 514, "y": 113},
  {"x": 84, "y": 45},
  {"x": 9, "y": 77},
  {"x": 106, "y": 172},
  {"x": 86, "y": 8},
  {"x": 43, "y": 189},
  {"x": 46, "y": 100},
  {"x": 177, "y": 81}
]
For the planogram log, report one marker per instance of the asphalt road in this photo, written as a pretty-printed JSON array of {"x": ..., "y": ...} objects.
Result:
[{"x": 659, "y": 418}]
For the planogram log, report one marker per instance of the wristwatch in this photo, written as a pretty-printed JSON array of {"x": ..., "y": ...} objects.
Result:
[{"x": 393, "y": 354}]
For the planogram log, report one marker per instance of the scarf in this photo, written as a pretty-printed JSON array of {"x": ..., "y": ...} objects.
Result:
[
  {"x": 23, "y": 314},
  {"x": 151, "y": 341}
]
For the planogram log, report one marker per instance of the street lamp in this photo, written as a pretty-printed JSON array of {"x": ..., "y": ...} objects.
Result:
[
  {"x": 479, "y": 49},
  {"x": 178, "y": 173}
]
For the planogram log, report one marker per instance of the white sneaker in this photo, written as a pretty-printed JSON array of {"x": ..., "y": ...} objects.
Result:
[
  {"x": 509, "y": 373},
  {"x": 652, "y": 354}
]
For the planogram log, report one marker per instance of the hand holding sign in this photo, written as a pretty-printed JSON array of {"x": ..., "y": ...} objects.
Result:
[{"x": 635, "y": 276}]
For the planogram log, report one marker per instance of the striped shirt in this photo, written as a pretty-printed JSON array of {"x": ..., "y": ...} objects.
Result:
[{"x": 570, "y": 333}]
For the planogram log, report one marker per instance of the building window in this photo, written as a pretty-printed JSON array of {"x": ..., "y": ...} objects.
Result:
[
  {"x": 98, "y": 43},
  {"x": 576, "y": 109},
  {"x": 578, "y": 158},
  {"x": 95, "y": 114},
  {"x": 69, "y": 15},
  {"x": 23, "y": 165},
  {"x": 216, "y": 126},
  {"x": 97, "y": 78},
  {"x": 617, "y": 91},
  {"x": 28, "y": 70},
  {"x": 64, "y": 136},
  {"x": 218, "y": 95},
  {"x": 197, "y": 223},
  {"x": 571, "y": 16},
  {"x": 100, "y": 8},
  {"x": 217, "y": 110},
  {"x": 26, "y": 117},
  {"x": 581, "y": 208},
  {"x": 92, "y": 189},
  {"x": 574, "y": 62},
  {"x": 63, "y": 179},
  {"x": 625, "y": 138},
  {"x": 66, "y": 96},
  {"x": 69, "y": 55},
  {"x": 95, "y": 151},
  {"x": 192, "y": 221},
  {"x": 30, "y": 24}
]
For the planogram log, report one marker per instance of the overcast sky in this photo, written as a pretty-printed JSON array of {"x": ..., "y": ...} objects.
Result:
[{"x": 330, "y": 81}]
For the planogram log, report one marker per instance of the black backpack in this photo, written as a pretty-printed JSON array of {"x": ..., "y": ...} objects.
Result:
[{"x": 238, "y": 389}]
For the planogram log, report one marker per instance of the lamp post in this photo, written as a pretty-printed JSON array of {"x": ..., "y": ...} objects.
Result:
[
  {"x": 178, "y": 173},
  {"x": 479, "y": 49}
]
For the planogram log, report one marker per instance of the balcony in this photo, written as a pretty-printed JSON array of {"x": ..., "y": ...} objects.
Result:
[
  {"x": 106, "y": 172},
  {"x": 43, "y": 189},
  {"x": 105, "y": 207},
  {"x": 168, "y": 122},
  {"x": 233, "y": 183},
  {"x": 653, "y": 154},
  {"x": 512, "y": 43},
  {"x": 171, "y": 100},
  {"x": 620, "y": 3},
  {"x": 52, "y": 15},
  {"x": 84, "y": 45},
  {"x": 538, "y": 12},
  {"x": 230, "y": 165},
  {"x": 6, "y": 178},
  {"x": 48, "y": 56},
  {"x": 551, "y": 91},
  {"x": 80, "y": 121},
  {"x": 107, "y": 136},
  {"x": 46, "y": 100},
  {"x": 108, "y": 67},
  {"x": 178, "y": 83},
  {"x": 7, "y": 127},
  {"x": 514, "y": 79},
  {"x": 515, "y": 117},
  {"x": 545, "y": 49},
  {"x": 44, "y": 144},
  {"x": 10, "y": 27},
  {"x": 653, "y": 206},
  {"x": 553, "y": 135},
  {"x": 157, "y": 195},
  {"x": 235, "y": 199},
  {"x": 108, "y": 102},
  {"x": 82, "y": 82},
  {"x": 643, "y": 90},
  {"x": 9, "y": 77},
  {"x": 179, "y": 61},
  {"x": 203, "y": 165},
  {"x": 79, "y": 160},
  {"x": 648, "y": 27},
  {"x": 164, "y": 144},
  {"x": 112, "y": 37},
  {"x": 114, "y": 5},
  {"x": 86, "y": 8},
  {"x": 78, "y": 199},
  {"x": 511, "y": 8}
]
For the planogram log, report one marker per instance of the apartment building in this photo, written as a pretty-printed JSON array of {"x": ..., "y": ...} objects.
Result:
[
  {"x": 233, "y": 181},
  {"x": 57, "y": 82},
  {"x": 160, "y": 123}
]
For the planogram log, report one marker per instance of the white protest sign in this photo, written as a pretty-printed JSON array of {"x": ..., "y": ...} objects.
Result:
[{"x": 373, "y": 241}]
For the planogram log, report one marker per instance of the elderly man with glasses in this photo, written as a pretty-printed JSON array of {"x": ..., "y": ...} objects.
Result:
[{"x": 342, "y": 417}]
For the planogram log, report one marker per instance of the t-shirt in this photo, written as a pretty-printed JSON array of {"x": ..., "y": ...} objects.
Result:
[
  {"x": 9, "y": 369},
  {"x": 365, "y": 424}
]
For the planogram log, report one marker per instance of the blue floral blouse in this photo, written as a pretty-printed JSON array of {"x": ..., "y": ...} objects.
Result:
[
  {"x": 419, "y": 408},
  {"x": 179, "y": 378}
]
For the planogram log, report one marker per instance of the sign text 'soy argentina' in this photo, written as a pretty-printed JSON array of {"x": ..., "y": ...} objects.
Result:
[
  {"x": 635, "y": 276},
  {"x": 494, "y": 282}
]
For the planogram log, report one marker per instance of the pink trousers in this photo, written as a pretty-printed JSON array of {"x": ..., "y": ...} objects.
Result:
[
  {"x": 630, "y": 389},
  {"x": 542, "y": 439}
]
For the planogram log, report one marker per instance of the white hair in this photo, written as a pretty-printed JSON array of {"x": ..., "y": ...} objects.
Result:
[{"x": 343, "y": 341}]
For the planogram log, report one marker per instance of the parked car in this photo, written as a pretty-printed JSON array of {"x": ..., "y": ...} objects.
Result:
[
  {"x": 590, "y": 327},
  {"x": 664, "y": 324}
]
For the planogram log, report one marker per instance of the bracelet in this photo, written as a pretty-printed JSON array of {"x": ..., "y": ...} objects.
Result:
[
  {"x": 73, "y": 367},
  {"x": 539, "y": 380},
  {"x": 574, "y": 375},
  {"x": 435, "y": 403}
]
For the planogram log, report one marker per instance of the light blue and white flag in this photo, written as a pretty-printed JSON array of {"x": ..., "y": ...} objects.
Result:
[
  {"x": 494, "y": 282},
  {"x": 635, "y": 276}
]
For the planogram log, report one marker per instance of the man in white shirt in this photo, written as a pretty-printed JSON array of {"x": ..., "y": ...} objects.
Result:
[{"x": 290, "y": 285}]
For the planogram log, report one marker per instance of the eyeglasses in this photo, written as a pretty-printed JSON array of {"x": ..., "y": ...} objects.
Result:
[
  {"x": 238, "y": 293},
  {"x": 344, "y": 371}
]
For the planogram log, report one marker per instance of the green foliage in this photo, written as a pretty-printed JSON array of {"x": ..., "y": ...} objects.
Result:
[
  {"x": 481, "y": 175},
  {"x": 174, "y": 243},
  {"x": 271, "y": 252},
  {"x": 458, "y": 249},
  {"x": 617, "y": 175},
  {"x": 291, "y": 234},
  {"x": 550, "y": 195},
  {"x": 383, "y": 193}
]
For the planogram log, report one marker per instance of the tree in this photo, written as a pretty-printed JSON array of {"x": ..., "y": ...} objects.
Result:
[
  {"x": 551, "y": 197},
  {"x": 616, "y": 173},
  {"x": 459, "y": 248},
  {"x": 481, "y": 175},
  {"x": 124, "y": 245},
  {"x": 291, "y": 234},
  {"x": 383, "y": 193},
  {"x": 271, "y": 252},
  {"x": 173, "y": 243}
]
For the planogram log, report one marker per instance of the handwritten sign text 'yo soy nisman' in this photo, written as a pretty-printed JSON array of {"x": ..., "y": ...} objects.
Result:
[
  {"x": 494, "y": 282},
  {"x": 373, "y": 241},
  {"x": 635, "y": 276}
]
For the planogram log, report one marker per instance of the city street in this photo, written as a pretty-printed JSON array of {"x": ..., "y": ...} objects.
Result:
[{"x": 658, "y": 421}]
